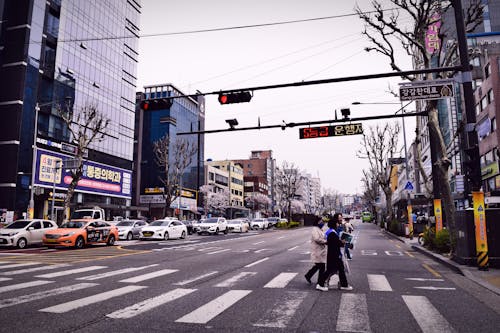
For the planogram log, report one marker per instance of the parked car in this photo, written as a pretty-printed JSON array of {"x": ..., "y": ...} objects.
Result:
[
  {"x": 164, "y": 229},
  {"x": 273, "y": 221},
  {"x": 366, "y": 217},
  {"x": 237, "y": 225},
  {"x": 212, "y": 225},
  {"x": 130, "y": 229},
  {"x": 283, "y": 220},
  {"x": 259, "y": 223},
  {"x": 78, "y": 233},
  {"x": 22, "y": 233}
]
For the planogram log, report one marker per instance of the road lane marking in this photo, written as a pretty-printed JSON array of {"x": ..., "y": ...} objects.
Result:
[
  {"x": 426, "y": 315},
  {"x": 35, "y": 269},
  {"x": 212, "y": 309},
  {"x": 43, "y": 294},
  {"x": 149, "y": 304},
  {"x": 433, "y": 272},
  {"x": 233, "y": 280},
  {"x": 113, "y": 273},
  {"x": 398, "y": 246},
  {"x": 281, "y": 314},
  {"x": 281, "y": 280},
  {"x": 354, "y": 304},
  {"x": 149, "y": 276},
  {"x": 368, "y": 252},
  {"x": 72, "y": 305},
  {"x": 378, "y": 282},
  {"x": 262, "y": 250},
  {"x": 257, "y": 243},
  {"x": 257, "y": 262},
  {"x": 69, "y": 272},
  {"x": 424, "y": 279},
  {"x": 4, "y": 279},
  {"x": 219, "y": 251},
  {"x": 281, "y": 237},
  {"x": 19, "y": 265},
  {"x": 183, "y": 283},
  {"x": 210, "y": 248},
  {"x": 435, "y": 288},
  {"x": 24, "y": 285},
  {"x": 409, "y": 254},
  {"x": 293, "y": 248},
  {"x": 393, "y": 253}
]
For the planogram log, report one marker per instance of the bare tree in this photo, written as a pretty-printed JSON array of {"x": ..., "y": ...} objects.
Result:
[
  {"x": 371, "y": 187},
  {"x": 172, "y": 158},
  {"x": 330, "y": 200},
  {"x": 378, "y": 147},
  {"x": 385, "y": 30},
  {"x": 86, "y": 126},
  {"x": 287, "y": 182}
]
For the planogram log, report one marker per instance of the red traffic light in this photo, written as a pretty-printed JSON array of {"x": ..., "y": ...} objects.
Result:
[
  {"x": 156, "y": 104},
  {"x": 235, "y": 97}
]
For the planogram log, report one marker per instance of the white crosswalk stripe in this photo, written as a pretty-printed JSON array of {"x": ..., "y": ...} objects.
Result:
[
  {"x": 283, "y": 311},
  {"x": 34, "y": 269},
  {"x": 188, "y": 281},
  {"x": 212, "y": 309},
  {"x": 43, "y": 294},
  {"x": 114, "y": 273},
  {"x": 427, "y": 316},
  {"x": 24, "y": 285},
  {"x": 4, "y": 279},
  {"x": 19, "y": 265},
  {"x": 235, "y": 279},
  {"x": 378, "y": 282},
  {"x": 281, "y": 280},
  {"x": 149, "y": 276},
  {"x": 353, "y": 303},
  {"x": 150, "y": 303},
  {"x": 70, "y": 271},
  {"x": 72, "y": 305}
]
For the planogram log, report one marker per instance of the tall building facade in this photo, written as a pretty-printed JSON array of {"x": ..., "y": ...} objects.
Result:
[
  {"x": 65, "y": 54},
  {"x": 182, "y": 114}
]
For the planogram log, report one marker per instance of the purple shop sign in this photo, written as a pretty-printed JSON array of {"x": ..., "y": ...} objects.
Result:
[{"x": 97, "y": 178}]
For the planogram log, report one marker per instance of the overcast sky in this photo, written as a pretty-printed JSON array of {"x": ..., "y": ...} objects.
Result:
[{"x": 267, "y": 55}]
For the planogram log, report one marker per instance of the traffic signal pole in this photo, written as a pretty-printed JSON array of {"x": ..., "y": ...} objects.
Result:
[{"x": 470, "y": 136}]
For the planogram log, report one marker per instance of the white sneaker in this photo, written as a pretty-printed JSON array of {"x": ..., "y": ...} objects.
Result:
[
  {"x": 318, "y": 287},
  {"x": 346, "y": 288}
]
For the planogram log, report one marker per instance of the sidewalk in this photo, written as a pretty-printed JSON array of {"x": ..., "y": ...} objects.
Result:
[{"x": 489, "y": 279}]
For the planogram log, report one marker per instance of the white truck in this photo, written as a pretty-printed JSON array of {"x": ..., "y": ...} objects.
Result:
[{"x": 94, "y": 213}]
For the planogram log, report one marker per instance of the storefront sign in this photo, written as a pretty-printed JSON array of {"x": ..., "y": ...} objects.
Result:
[
  {"x": 438, "y": 214},
  {"x": 97, "y": 178}
]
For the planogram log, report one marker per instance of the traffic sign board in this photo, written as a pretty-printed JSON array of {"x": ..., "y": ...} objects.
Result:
[
  {"x": 409, "y": 186},
  {"x": 423, "y": 90}
]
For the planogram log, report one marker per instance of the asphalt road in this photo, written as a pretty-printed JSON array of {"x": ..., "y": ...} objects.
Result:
[{"x": 226, "y": 283}]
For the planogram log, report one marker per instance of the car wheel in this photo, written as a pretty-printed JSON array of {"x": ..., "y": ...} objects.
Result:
[
  {"x": 216, "y": 231},
  {"x": 22, "y": 243},
  {"x": 130, "y": 236},
  {"x": 111, "y": 240},
  {"x": 199, "y": 234},
  {"x": 183, "y": 235},
  {"x": 79, "y": 243},
  {"x": 165, "y": 237},
  {"x": 225, "y": 231}
]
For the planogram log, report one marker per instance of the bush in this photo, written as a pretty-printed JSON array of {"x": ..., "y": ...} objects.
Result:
[
  {"x": 429, "y": 237},
  {"x": 382, "y": 224},
  {"x": 442, "y": 241},
  {"x": 395, "y": 228},
  {"x": 287, "y": 225}
]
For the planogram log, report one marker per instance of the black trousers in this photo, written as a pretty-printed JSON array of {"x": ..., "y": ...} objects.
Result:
[
  {"x": 319, "y": 266},
  {"x": 333, "y": 267}
]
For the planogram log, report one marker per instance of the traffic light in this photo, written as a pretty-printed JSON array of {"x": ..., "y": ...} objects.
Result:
[
  {"x": 156, "y": 104},
  {"x": 235, "y": 97},
  {"x": 472, "y": 168}
]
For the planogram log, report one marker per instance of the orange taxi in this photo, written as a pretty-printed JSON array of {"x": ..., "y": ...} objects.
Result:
[{"x": 78, "y": 233}]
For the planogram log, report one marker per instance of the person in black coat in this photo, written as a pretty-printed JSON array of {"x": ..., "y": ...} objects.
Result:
[{"x": 334, "y": 262}]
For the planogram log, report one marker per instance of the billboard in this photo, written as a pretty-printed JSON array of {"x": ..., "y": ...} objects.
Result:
[{"x": 97, "y": 178}]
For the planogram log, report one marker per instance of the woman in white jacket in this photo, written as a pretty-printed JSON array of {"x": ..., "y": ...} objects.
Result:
[{"x": 318, "y": 250}]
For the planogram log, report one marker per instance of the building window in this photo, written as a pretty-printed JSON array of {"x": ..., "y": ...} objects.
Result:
[
  {"x": 484, "y": 103},
  {"x": 478, "y": 109},
  {"x": 487, "y": 71},
  {"x": 494, "y": 124},
  {"x": 491, "y": 98}
]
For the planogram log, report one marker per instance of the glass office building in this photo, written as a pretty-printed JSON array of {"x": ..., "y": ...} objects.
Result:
[{"x": 66, "y": 54}]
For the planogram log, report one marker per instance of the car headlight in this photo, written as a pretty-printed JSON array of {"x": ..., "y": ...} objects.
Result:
[
  {"x": 10, "y": 234},
  {"x": 68, "y": 234}
]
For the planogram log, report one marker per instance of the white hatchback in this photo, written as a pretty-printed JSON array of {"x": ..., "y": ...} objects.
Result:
[
  {"x": 22, "y": 233},
  {"x": 163, "y": 229}
]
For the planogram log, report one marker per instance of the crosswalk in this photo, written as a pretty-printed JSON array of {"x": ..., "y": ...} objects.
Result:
[{"x": 289, "y": 293}]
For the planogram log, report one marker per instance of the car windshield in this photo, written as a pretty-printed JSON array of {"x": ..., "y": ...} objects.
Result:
[
  {"x": 18, "y": 224},
  {"x": 210, "y": 220},
  {"x": 159, "y": 223},
  {"x": 125, "y": 224},
  {"x": 73, "y": 224},
  {"x": 82, "y": 214}
]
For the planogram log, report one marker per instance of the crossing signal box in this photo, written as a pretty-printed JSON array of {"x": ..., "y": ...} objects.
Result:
[
  {"x": 156, "y": 104},
  {"x": 235, "y": 97},
  {"x": 472, "y": 167}
]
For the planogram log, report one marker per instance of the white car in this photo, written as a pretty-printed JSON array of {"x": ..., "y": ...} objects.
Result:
[
  {"x": 237, "y": 225},
  {"x": 163, "y": 229},
  {"x": 260, "y": 223},
  {"x": 130, "y": 229},
  {"x": 22, "y": 233},
  {"x": 212, "y": 225}
]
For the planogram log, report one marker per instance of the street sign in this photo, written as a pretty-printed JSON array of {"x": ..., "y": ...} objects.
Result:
[
  {"x": 335, "y": 130},
  {"x": 409, "y": 186},
  {"x": 424, "y": 90}
]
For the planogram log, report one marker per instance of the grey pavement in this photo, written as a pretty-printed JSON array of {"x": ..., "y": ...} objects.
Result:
[{"x": 489, "y": 279}]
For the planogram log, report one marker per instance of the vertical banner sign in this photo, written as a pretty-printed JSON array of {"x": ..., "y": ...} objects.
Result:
[
  {"x": 480, "y": 226},
  {"x": 438, "y": 214},
  {"x": 410, "y": 219}
]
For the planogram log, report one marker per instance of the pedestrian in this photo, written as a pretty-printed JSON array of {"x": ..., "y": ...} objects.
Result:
[
  {"x": 348, "y": 228},
  {"x": 334, "y": 262},
  {"x": 318, "y": 250}
]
